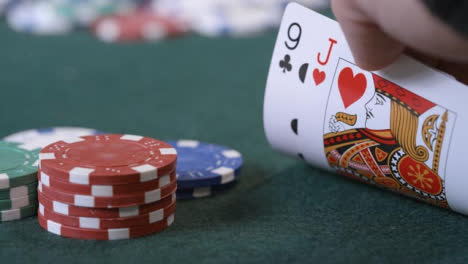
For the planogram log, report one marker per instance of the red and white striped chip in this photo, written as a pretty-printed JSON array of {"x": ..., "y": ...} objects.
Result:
[
  {"x": 140, "y": 25},
  {"x": 71, "y": 210},
  {"x": 106, "y": 190},
  {"x": 108, "y": 159},
  {"x": 105, "y": 223},
  {"x": 109, "y": 202},
  {"x": 107, "y": 186},
  {"x": 104, "y": 234}
]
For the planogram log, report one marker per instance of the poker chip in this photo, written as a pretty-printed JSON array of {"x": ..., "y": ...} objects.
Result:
[
  {"x": 106, "y": 223},
  {"x": 104, "y": 234},
  {"x": 106, "y": 190},
  {"x": 5, "y": 5},
  {"x": 108, "y": 159},
  {"x": 18, "y": 202},
  {"x": 71, "y": 210},
  {"x": 18, "y": 181},
  {"x": 147, "y": 20},
  {"x": 224, "y": 17},
  {"x": 107, "y": 186},
  {"x": 18, "y": 166},
  {"x": 53, "y": 17},
  {"x": 240, "y": 18},
  {"x": 37, "y": 17},
  {"x": 17, "y": 214},
  {"x": 139, "y": 25},
  {"x": 109, "y": 202},
  {"x": 83, "y": 13},
  {"x": 237, "y": 20},
  {"x": 39, "y": 138},
  {"x": 203, "y": 164},
  {"x": 202, "y": 192},
  {"x": 19, "y": 191}
]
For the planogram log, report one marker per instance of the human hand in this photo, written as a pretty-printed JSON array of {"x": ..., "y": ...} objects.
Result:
[{"x": 379, "y": 31}]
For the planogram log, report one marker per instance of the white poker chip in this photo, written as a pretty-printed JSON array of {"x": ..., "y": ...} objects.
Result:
[
  {"x": 38, "y": 17},
  {"x": 4, "y": 5},
  {"x": 227, "y": 17},
  {"x": 108, "y": 30},
  {"x": 39, "y": 138},
  {"x": 154, "y": 31}
]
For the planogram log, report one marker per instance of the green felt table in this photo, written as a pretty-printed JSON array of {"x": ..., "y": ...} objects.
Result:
[{"x": 282, "y": 211}]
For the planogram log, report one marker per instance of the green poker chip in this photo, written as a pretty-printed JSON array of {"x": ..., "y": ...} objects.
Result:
[
  {"x": 16, "y": 192},
  {"x": 18, "y": 166},
  {"x": 16, "y": 214},
  {"x": 19, "y": 202}
]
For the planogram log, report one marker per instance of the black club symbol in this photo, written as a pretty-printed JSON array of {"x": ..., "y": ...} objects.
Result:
[{"x": 285, "y": 63}]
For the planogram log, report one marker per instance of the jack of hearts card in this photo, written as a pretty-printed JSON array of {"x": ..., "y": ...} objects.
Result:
[
  {"x": 401, "y": 128},
  {"x": 381, "y": 133}
]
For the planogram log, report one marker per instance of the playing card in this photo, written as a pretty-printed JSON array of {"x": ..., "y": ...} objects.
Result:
[
  {"x": 401, "y": 128},
  {"x": 298, "y": 82}
]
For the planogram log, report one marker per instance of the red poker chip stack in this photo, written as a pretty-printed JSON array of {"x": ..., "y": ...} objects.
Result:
[
  {"x": 140, "y": 25},
  {"x": 107, "y": 187}
]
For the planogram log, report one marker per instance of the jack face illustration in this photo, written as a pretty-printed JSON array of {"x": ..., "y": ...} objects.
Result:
[
  {"x": 401, "y": 146},
  {"x": 378, "y": 112}
]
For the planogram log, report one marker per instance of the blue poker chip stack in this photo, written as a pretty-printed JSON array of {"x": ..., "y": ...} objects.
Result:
[{"x": 205, "y": 169}]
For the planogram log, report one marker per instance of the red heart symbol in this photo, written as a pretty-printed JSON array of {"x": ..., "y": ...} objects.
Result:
[
  {"x": 351, "y": 87},
  {"x": 319, "y": 76}
]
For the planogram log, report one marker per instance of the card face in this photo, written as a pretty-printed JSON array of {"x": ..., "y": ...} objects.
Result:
[
  {"x": 402, "y": 128},
  {"x": 381, "y": 133},
  {"x": 299, "y": 79}
]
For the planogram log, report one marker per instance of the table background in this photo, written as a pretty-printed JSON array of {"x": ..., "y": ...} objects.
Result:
[{"x": 211, "y": 90}]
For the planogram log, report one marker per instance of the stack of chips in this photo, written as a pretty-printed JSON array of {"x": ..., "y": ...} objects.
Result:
[
  {"x": 204, "y": 169},
  {"x": 140, "y": 25},
  {"x": 106, "y": 187},
  {"x": 18, "y": 181},
  {"x": 148, "y": 20},
  {"x": 50, "y": 17},
  {"x": 238, "y": 18}
]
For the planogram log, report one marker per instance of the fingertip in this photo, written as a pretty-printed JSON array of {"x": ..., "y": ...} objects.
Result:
[
  {"x": 371, "y": 47},
  {"x": 376, "y": 62}
]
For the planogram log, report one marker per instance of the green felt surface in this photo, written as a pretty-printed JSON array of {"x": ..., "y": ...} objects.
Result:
[{"x": 282, "y": 211}]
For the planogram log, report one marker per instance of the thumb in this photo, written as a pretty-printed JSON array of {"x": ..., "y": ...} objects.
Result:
[
  {"x": 379, "y": 30},
  {"x": 372, "y": 48}
]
